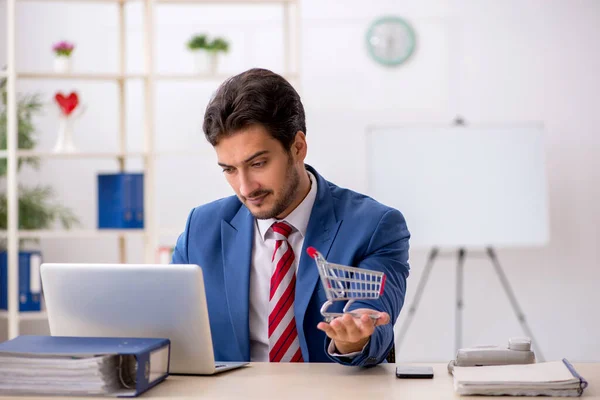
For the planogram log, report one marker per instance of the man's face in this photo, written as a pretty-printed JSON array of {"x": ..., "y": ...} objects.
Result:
[{"x": 263, "y": 175}]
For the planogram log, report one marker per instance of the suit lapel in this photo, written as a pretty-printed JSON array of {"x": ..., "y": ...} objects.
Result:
[
  {"x": 237, "y": 238},
  {"x": 320, "y": 234}
]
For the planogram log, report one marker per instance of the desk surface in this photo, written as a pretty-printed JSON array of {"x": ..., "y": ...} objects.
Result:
[{"x": 331, "y": 381}]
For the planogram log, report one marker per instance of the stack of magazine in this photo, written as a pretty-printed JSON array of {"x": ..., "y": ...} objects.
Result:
[
  {"x": 557, "y": 378},
  {"x": 81, "y": 366}
]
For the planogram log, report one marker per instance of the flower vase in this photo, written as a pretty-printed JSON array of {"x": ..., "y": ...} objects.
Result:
[
  {"x": 64, "y": 141},
  {"x": 62, "y": 64},
  {"x": 205, "y": 62}
]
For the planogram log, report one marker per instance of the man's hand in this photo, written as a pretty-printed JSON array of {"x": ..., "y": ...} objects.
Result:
[{"x": 350, "y": 334}]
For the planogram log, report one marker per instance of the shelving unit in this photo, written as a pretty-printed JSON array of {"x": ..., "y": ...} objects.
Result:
[{"x": 148, "y": 155}]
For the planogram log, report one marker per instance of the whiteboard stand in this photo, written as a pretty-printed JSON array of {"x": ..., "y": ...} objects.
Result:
[
  {"x": 461, "y": 255},
  {"x": 456, "y": 184}
]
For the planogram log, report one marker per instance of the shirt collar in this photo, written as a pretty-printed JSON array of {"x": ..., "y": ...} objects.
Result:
[{"x": 299, "y": 217}]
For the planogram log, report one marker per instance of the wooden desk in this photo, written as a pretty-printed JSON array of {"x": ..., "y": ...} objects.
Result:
[{"x": 324, "y": 381}]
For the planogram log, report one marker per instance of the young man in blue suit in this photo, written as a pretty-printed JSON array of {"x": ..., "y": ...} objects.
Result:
[{"x": 263, "y": 291}]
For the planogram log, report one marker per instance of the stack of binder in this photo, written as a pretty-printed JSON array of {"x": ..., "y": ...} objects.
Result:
[
  {"x": 556, "y": 378},
  {"x": 121, "y": 201},
  {"x": 30, "y": 284},
  {"x": 50, "y": 365}
]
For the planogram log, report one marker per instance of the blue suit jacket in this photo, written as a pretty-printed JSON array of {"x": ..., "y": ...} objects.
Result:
[{"x": 346, "y": 227}]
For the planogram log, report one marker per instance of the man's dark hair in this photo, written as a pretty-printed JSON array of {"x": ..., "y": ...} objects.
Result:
[{"x": 257, "y": 96}]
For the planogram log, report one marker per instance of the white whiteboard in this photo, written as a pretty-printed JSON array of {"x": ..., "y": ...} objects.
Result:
[{"x": 463, "y": 186}]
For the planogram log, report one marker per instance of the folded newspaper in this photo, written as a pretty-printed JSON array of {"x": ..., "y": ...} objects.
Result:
[{"x": 556, "y": 378}]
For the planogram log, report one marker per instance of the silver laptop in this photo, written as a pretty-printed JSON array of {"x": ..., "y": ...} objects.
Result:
[{"x": 135, "y": 300}]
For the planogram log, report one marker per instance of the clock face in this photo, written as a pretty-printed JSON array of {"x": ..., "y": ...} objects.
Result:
[{"x": 390, "y": 40}]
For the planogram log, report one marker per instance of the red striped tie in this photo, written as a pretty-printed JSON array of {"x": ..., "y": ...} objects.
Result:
[{"x": 283, "y": 336}]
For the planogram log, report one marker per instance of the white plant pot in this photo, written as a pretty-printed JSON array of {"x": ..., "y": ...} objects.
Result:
[
  {"x": 205, "y": 62},
  {"x": 64, "y": 141},
  {"x": 62, "y": 64}
]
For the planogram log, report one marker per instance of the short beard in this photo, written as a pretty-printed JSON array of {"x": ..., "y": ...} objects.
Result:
[{"x": 290, "y": 190}]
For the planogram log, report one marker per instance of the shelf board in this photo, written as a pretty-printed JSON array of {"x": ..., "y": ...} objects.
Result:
[
  {"x": 33, "y": 316},
  {"x": 104, "y": 155},
  {"x": 75, "y": 233},
  {"x": 171, "y": 1},
  {"x": 76, "y": 1},
  {"x": 191, "y": 77},
  {"x": 201, "y": 77},
  {"x": 89, "y": 76},
  {"x": 184, "y": 153},
  {"x": 76, "y": 155},
  {"x": 226, "y": 1},
  {"x": 170, "y": 231},
  {"x": 27, "y": 316},
  {"x": 88, "y": 233}
]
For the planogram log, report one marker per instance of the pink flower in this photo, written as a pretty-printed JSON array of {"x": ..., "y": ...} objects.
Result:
[{"x": 63, "y": 48}]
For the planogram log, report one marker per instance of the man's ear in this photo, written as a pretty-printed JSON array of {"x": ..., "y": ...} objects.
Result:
[{"x": 299, "y": 147}]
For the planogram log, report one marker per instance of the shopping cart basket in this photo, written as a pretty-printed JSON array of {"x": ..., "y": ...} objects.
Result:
[{"x": 343, "y": 283}]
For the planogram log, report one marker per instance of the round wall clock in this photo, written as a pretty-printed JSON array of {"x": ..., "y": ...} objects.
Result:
[{"x": 390, "y": 40}]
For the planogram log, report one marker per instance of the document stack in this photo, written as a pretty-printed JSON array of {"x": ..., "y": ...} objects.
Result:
[
  {"x": 82, "y": 366},
  {"x": 557, "y": 378}
]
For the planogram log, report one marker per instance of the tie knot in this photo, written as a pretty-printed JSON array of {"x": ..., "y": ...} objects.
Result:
[{"x": 282, "y": 228}]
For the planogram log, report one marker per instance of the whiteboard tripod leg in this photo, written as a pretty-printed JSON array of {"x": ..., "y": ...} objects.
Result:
[
  {"x": 459, "y": 299},
  {"x": 419, "y": 292}
]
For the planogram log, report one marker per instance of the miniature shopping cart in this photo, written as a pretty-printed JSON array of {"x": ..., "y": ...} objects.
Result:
[{"x": 343, "y": 283}]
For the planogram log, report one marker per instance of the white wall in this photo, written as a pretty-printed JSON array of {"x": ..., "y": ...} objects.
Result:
[{"x": 501, "y": 61}]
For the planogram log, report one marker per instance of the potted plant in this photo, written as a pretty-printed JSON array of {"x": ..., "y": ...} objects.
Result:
[
  {"x": 37, "y": 207},
  {"x": 62, "y": 56},
  {"x": 198, "y": 45},
  {"x": 206, "y": 53}
]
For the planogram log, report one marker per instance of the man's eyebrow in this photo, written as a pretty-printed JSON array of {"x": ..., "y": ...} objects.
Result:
[
  {"x": 257, "y": 154},
  {"x": 253, "y": 156}
]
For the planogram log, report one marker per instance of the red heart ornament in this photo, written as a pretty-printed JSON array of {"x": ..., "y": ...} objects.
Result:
[{"x": 67, "y": 104}]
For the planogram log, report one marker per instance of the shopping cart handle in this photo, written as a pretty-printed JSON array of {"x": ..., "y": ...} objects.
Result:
[
  {"x": 311, "y": 251},
  {"x": 382, "y": 284}
]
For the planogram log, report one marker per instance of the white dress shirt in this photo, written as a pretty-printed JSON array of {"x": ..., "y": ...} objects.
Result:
[{"x": 262, "y": 269}]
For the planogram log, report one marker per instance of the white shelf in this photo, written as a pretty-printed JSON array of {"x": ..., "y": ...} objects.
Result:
[
  {"x": 202, "y": 77},
  {"x": 148, "y": 77},
  {"x": 170, "y": 1},
  {"x": 27, "y": 315},
  {"x": 191, "y": 77},
  {"x": 76, "y": 155},
  {"x": 185, "y": 153},
  {"x": 89, "y": 76},
  {"x": 118, "y": 77},
  {"x": 76, "y": 233},
  {"x": 237, "y": 2},
  {"x": 33, "y": 316},
  {"x": 170, "y": 231},
  {"x": 78, "y": 1},
  {"x": 105, "y": 155}
]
